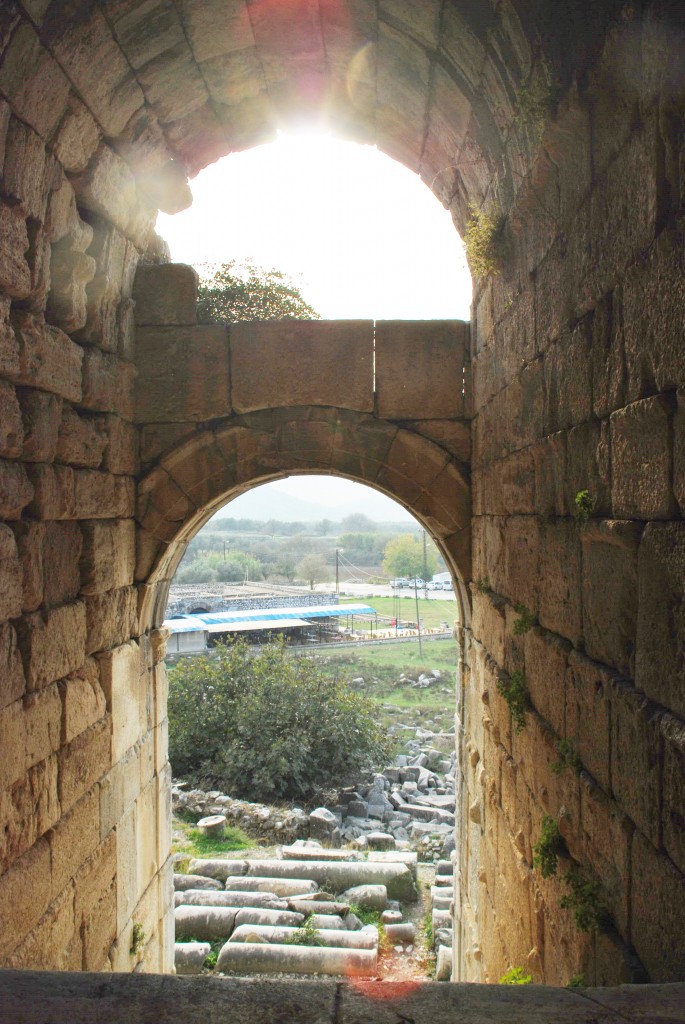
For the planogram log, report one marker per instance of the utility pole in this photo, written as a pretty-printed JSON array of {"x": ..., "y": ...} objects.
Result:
[
  {"x": 337, "y": 571},
  {"x": 425, "y": 565},
  {"x": 418, "y": 620}
]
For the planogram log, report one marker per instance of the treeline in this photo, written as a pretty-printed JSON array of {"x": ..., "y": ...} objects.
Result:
[{"x": 232, "y": 550}]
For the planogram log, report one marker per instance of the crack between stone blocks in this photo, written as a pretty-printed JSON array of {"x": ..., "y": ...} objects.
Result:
[
  {"x": 338, "y": 1009},
  {"x": 606, "y": 1009}
]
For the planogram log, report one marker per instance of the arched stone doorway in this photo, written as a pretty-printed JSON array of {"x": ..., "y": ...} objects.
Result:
[{"x": 570, "y": 125}]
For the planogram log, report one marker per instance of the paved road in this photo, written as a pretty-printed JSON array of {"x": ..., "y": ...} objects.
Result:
[{"x": 376, "y": 590}]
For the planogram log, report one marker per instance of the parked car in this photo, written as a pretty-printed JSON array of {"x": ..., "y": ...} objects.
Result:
[
  {"x": 447, "y": 585},
  {"x": 399, "y": 582},
  {"x": 434, "y": 585}
]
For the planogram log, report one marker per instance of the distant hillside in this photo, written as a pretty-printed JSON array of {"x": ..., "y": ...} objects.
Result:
[{"x": 270, "y": 503}]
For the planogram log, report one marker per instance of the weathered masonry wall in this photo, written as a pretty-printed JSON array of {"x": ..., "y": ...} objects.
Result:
[
  {"x": 578, "y": 374},
  {"x": 566, "y": 118}
]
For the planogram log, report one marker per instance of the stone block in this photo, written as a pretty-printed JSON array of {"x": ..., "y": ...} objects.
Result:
[
  {"x": 83, "y": 700},
  {"x": 111, "y": 618},
  {"x": 73, "y": 840},
  {"x": 52, "y": 644},
  {"x": 109, "y": 555},
  {"x": 641, "y": 460},
  {"x": 27, "y": 810},
  {"x": 99, "y": 930},
  {"x": 679, "y": 452},
  {"x": 24, "y": 895},
  {"x": 61, "y": 554},
  {"x": 588, "y": 462},
  {"x": 303, "y": 362},
  {"x": 147, "y": 819},
  {"x": 127, "y": 867},
  {"x": 42, "y": 724},
  {"x": 108, "y": 383},
  {"x": 101, "y": 495},
  {"x": 121, "y": 446},
  {"x": 165, "y": 295},
  {"x": 410, "y": 357},
  {"x": 77, "y": 137},
  {"x": 657, "y": 912},
  {"x": 15, "y": 273},
  {"x": 673, "y": 732},
  {"x": 608, "y": 358},
  {"x": 549, "y": 458},
  {"x": 610, "y": 598},
  {"x": 660, "y": 651},
  {"x": 16, "y": 490},
  {"x": 120, "y": 671},
  {"x": 34, "y": 80},
  {"x": 30, "y": 537},
  {"x": 183, "y": 373},
  {"x": 41, "y": 414},
  {"x": 636, "y": 742},
  {"x": 81, "y": 440},
  {"x": 568, "y": 381},
  {"x": 119, "y": 790},
  {"x": 450, "y": 434},
  {"x": 83, "y": 761},
  {"x": 71, "y": 271},
  {"x": 488, "y": 621},
  {"x": 11, "y": 594},
  {"x": 48, "y": 359},
  {"x": 521, "y": 557},
  {"x": 11, "y": 427},
  {"x": 588, "y": 715},
  {"x": 546, "y": 661},
  {"x": 95, "y": 877},
  {"x": 11, "y": 669},
  {"x": 25, "y": 173},
  {"x": 560, "y": 576},
  {"x": 54, "y": 491}
]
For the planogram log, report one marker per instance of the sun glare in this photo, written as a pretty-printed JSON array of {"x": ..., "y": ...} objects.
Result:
[{"x": 360, "y": 234}]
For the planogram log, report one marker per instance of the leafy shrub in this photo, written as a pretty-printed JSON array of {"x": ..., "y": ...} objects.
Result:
[
  {"x": 585, "y": 506},
  {"x": 269, "y": 726},
  {"x": 515, "y": 693},
  {"x": 305, "y": 935},
  {"x": 585, "y": 899},
  {"x": 548, "y": 848},
  {"x": 526, "y": 620},
  {"x": 481, "y": 239},
  {"x": 568, "y": 758},
  {"x": 577, "y": 981},
  {"x": 516, "y": 976}
]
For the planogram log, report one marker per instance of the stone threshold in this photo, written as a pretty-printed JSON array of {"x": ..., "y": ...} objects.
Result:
[{"x": 34, "y": 997}]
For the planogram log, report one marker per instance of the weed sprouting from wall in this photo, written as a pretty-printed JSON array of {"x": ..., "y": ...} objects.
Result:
[
  {"x": 585, "y": 899},
  {"x": 526, "y": 620},
  {"x": 482, "y": 240},
  {"x": 585, "y": 506},
  {"x": 567, "y": 758},
  {"x": 515, "y": 693},
  {"x": 549, "y": 847},
  {"x": 516, "y": 976}
]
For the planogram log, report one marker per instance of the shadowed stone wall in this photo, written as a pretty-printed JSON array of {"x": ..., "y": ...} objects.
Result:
[{"x": 567, "y": 118}]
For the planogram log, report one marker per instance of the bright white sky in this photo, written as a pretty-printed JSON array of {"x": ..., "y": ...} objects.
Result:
[{"x": 359, "y": 233}]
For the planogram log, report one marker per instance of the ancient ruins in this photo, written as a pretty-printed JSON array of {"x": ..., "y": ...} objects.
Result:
[{"x": 542, "y": 446}]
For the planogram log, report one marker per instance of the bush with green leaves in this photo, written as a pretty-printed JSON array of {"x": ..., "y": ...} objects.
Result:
[
  {"x": 516, "y": 976},
  {"x": 269, "y": 726},
  {"x": 549, "y": 847},
  {"x": 514, "y": 690}
]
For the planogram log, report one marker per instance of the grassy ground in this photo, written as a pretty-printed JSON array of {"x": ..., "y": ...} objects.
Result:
[
  {"x": 431, "y": 612},
  {"x": 189, "y": 841}
]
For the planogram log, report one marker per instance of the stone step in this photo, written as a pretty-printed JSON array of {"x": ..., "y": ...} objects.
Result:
[
  {"x": 182, "y": 882},
  {"x": 281, "y": 886},
  {"x": 260, "y": 958},
  {"x": 210, "y": 898},
  {"x": 206, "y": 923},
  {"x": 443, "y": 968},
  {"x": 257, "y": 915},
  {"x": 441, "y": 919},
  {"x": 318, "y": 907},
  {"x": 444, "y": 802},
  {"x": 403, "y": 932},
  {"x": 303, "y": 853},
  {"x": 333, "y": 922},
  {"x": 397, "y": 878},
  {"x": 408, "y": 857},
  {"x": 189, "y": 957},
  {"x": 218, "y": 869},
  {"x": 365, "y": 938},
  {"x": 445, "y": 867},
  {"x": 441, "y": 902}
]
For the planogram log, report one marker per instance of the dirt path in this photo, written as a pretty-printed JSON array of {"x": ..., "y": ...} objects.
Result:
[{"x": 416, "y": 962}]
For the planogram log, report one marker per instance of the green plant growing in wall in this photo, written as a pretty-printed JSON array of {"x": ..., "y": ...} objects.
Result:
[
  {"x": 585, "y": 899},
  {"x": 535, "y": 100},
  {"x": 137, "y": 939},
  {"x": 567, "y": 758},
  {"x": 516, "y": 976},
  {"x": 549, "y": 847},
  {"x": 515, "y": 693},
  {"x": 526, "y": 620},
  {"x": 483, "y": 585},
  {"x": 585, "y": 506},
  {"x": 576, "y": 981},
  {"x": 482, "y": 238}
]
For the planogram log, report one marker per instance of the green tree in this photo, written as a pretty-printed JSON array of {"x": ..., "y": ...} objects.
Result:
[
  {"x": 313, "y": 569},
  {"x": 268, "y": 726},
  {"x": 242, "y": 291},
  {"x": 404, "y": 556}
]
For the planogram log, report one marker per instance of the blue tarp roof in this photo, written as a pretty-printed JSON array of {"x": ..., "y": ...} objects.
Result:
[{"x": 212, "y": 621}]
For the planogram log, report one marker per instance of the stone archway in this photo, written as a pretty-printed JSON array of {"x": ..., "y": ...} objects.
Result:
[
  {"x": 204, "y": 473},
  {"x": 567, "y": 122}
]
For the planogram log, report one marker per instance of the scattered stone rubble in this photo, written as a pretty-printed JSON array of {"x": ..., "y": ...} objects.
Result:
[{"x": 411, "y": 805}]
